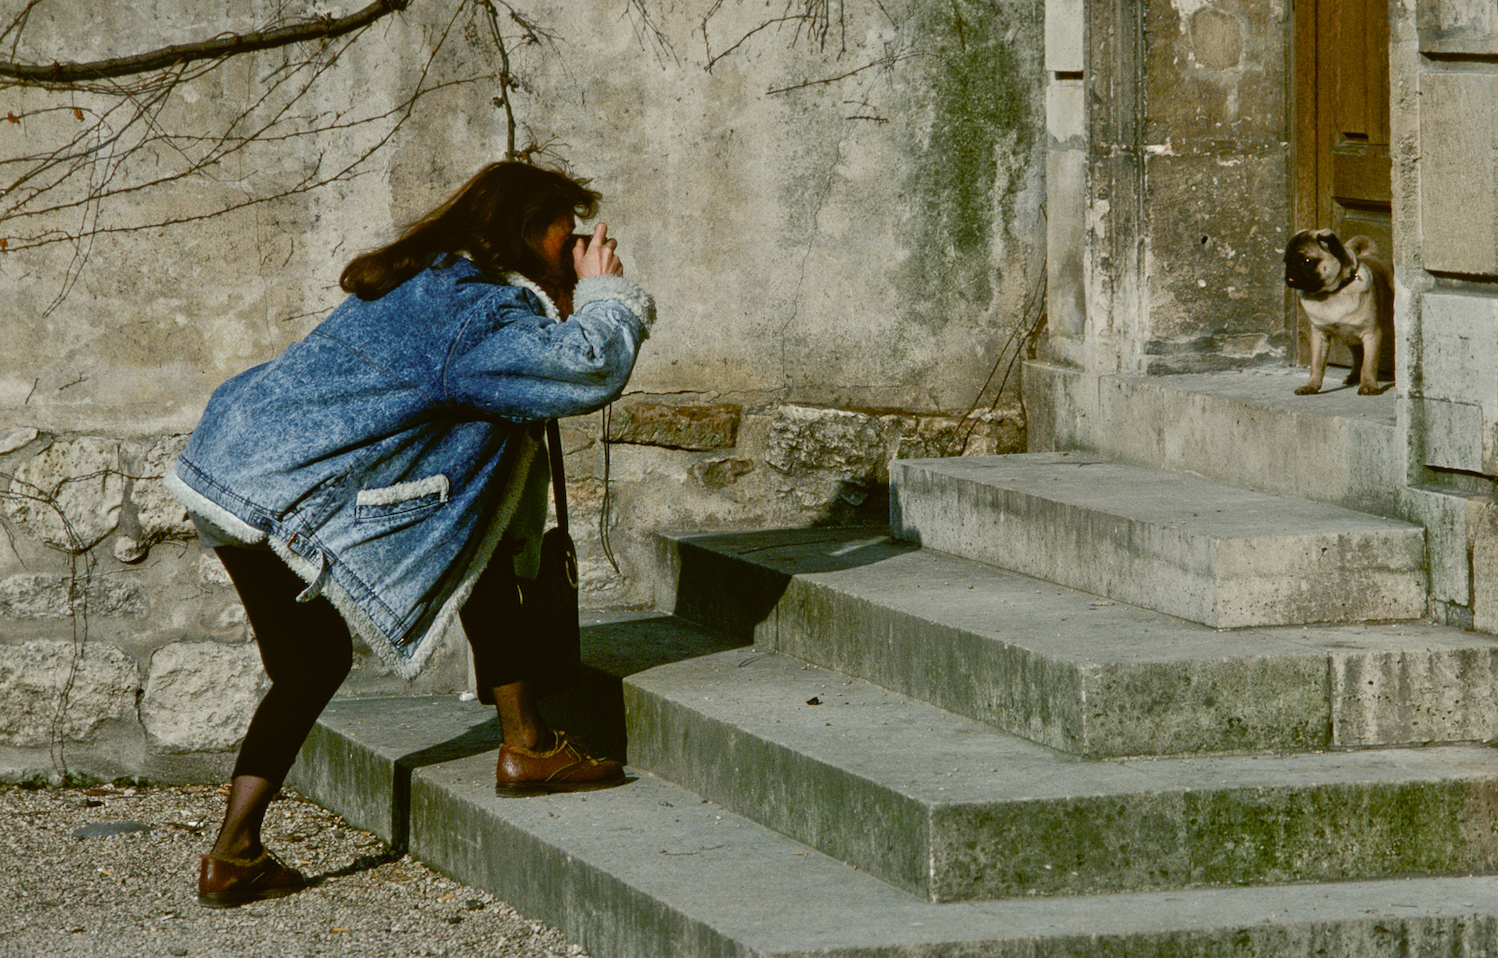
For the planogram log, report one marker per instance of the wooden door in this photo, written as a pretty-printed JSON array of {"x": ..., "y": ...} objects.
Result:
[{"x": 1342, "y": 169}]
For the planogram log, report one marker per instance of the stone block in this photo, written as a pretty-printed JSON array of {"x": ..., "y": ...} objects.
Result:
[
  {"x": 1458, "y": 392},
  {"x": 1066, "y": 210},
  {"x": 829, "y": 460},
  {"x": 1065, "y": 49},
  {"x": 199, "y": 695},
  {"x": 1459, "y": 172},
  {"x": 1413, "y": 695},
  {"x": 1446, "y": 518},
  {"x": 1452, "y": 434},
  {"x": 1211, "y": 278},
  {"x": 1209, "y": 67},
  {"x": 1457, "y": 26},
  {"x": 130, "y": 550},
  {"x": 698, "y": 428},
  {"x": 722, "y": 473},
  {"x": 1485, "y": 572},
  {"x": 44, "y": 596},
  {"x": 1459, "y": 348},
  {"x": 161, "y": 516},
  {"x": 805, "y": 441},
  {"x": 211, "y": 572},
  {"x": 992, "y": 433},
  {"x": 69, "y": 495},
  {"x": 51, "y": 689},
  {"x": 16, "y": 438}
]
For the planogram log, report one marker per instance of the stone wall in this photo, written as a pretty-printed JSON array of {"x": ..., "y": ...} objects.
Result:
[
  {"x": 1445, "y": 151},
  {"x": 125, "y": 650},
  {"x": 1169, "y": 197},
  {"x": 840, "y": 219}
]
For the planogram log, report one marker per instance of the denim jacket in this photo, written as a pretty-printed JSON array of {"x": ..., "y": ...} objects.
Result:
[{"x": 384, "y": 456}]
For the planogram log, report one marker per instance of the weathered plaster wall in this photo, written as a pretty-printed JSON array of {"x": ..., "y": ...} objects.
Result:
[{"x": 844, "y": 238}]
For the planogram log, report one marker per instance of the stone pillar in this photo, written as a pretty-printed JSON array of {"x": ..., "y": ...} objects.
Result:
[
  {"x": 1445, "y": 141},
  {"x": 1456, "y": 192},
  {"x": 1163, "y": 119},
  {"x": 1066, "y": 178}
]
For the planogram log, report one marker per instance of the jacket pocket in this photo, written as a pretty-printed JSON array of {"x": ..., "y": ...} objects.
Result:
[{"x": 403, "y": 502}]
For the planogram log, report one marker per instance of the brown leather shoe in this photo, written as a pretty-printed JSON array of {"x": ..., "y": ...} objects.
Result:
[
  {"x": 566, "y": 768},
  {"x": 230, "y": 882}
]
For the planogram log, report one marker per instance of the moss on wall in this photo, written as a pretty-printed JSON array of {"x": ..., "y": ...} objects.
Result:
[{"x": 985, "y": 121}]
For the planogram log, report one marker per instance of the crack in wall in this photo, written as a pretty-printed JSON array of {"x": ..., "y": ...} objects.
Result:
[{"x": 811, "y": 242}]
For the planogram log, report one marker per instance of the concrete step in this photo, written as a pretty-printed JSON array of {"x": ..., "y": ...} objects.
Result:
[
  {"x": 651, "y": 869},
  {"x": 953, "y": 810},
  {"x": 1244, "y": 427},
  {"x": 1067, "y": 669},
  {"x": 1176, "y": 543},
  {"x": 365, "y": 778}
]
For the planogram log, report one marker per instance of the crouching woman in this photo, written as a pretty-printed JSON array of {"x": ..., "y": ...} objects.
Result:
[{"x": 387, "y": 474}]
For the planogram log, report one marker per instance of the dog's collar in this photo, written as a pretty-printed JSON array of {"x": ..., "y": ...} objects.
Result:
[{"x": 1357, "y": 268}]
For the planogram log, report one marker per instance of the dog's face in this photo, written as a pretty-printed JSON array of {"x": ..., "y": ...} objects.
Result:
[{"x": 1315, "y": 261}]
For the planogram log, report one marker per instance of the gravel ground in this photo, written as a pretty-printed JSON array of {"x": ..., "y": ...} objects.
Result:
[{"x": 134, "y": 894}]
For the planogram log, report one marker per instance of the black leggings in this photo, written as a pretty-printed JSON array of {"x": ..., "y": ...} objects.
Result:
[{"x": 307, "y": 652}]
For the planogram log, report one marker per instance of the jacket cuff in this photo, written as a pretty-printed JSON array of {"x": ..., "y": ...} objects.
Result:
[
  {"x": 615, "y": 289},
  {"x": 200, "y": 506}
]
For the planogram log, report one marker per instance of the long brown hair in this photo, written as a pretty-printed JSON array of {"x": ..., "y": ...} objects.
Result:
[{"x": 497, "y": 218}]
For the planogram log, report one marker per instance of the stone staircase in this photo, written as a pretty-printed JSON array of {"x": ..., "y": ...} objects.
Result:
[{"x": 1073, "y": 706}]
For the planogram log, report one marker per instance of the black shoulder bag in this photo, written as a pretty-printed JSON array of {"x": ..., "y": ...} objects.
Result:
[{"x": 548, "y": 603}]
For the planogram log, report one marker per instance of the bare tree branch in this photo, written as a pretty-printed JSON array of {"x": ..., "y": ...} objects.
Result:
[
  {"x": 130, "y": 140},
  {"x": 888, "y": 60},
  {"x": 814, "y": 19},
  {"x": 62, "y": 75},
  {"x": 713, "y": 58}
]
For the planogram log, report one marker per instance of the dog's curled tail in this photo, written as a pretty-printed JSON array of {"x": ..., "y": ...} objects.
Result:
[{"x": 1361, "y": 246}]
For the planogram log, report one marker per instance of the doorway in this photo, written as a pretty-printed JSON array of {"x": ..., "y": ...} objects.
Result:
[{"x": 1341, "y": 129}]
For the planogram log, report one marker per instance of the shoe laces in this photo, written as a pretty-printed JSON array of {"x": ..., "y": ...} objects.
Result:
[{"x": 563, "y": 742}]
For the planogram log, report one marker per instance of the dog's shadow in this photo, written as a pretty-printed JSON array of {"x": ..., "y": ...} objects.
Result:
[{"x": 1343, "y": 387}]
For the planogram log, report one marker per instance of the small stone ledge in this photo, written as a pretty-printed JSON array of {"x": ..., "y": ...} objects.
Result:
[{"x": 699, "y": 428}]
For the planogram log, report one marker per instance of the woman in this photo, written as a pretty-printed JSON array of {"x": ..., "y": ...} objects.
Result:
[{"x": 364, "y": 479}]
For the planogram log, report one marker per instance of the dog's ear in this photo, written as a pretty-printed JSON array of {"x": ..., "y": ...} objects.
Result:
[{"x": 1327, "y": 239}]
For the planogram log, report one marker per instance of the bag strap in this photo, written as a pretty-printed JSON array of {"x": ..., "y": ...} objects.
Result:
[{"x": 558, "y": 472}]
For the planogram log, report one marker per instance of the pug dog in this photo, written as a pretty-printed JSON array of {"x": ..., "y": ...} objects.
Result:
[{"x": 1346, "y": 292}]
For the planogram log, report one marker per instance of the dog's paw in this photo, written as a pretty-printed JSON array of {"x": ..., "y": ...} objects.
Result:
[
  {"x": 1368, "y": 390},
  {"x": 1307, "y": 390}
]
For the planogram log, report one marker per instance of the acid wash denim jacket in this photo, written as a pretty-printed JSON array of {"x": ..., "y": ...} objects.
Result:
[{"x": 384, "y": 456}]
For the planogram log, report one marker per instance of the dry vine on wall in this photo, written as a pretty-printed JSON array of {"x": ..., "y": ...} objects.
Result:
[
  {"x": 107, "y": 144},
  {"x": 110, "y": 142},
  {"x": 80, "y": 572}
]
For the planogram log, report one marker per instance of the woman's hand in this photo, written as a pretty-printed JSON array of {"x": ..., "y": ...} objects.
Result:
[{"x": 595, "y": 257}]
